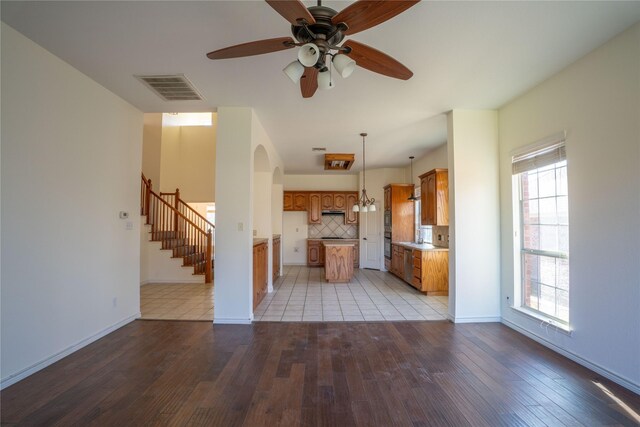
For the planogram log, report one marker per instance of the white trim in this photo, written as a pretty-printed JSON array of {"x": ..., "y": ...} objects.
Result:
[
  {"x": 540, "y": 317},
  {"x": 624, "y": 382},
  {"x": 550, "y": 140},
  {"x": 177, "y": 282},
  {"x": 294, "y": 264},
  {"x": 30, "y": 370},
  {"x": 476, "y": 319},
  {"x": 232, "y": 321}
]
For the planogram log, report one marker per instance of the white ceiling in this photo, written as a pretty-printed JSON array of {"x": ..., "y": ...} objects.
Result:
[{"x": 468, "y": 55}]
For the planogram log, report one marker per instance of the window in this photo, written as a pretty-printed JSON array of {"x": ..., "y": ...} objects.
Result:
[{"x": 540, "y": 178}]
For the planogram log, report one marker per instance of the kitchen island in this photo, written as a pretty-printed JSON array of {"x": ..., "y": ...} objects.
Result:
[{"x": 338, "y": 261}]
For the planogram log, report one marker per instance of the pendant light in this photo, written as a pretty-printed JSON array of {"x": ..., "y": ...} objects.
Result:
[
  {"x": 413, "y": 198},
  {"x": 365, "y": 204}
]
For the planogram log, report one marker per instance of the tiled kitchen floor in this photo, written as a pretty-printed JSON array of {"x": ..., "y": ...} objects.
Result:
[
  {"x": 176, "y": 301},
  {"x": 302, "y": 295}
]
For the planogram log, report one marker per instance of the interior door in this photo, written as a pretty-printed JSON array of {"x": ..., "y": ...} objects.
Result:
[{"x": 370, "y": 239}]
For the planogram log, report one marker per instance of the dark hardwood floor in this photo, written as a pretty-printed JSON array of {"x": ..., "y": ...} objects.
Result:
[{"x": 342, "y": 374}]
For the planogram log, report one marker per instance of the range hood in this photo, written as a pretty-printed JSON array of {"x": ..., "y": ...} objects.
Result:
[{"x": 332, "y": 212}]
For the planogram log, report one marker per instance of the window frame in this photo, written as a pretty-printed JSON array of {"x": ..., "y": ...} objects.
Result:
[{"x": 519, "y": 248}]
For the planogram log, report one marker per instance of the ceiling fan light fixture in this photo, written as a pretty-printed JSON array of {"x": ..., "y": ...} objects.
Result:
[
  {"x": 344, "y": 65},
  {"x": 294, "y": 71},
  {"x": 325, "y": 82},
  {"x": 308, "y": 54}
]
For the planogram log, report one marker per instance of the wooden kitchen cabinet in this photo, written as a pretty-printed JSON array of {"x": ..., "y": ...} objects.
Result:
[
  {"x": 356, "y": 255},
  {"x": 294, "y": 201},
  {"x": 287, "y": 202},
  {"x": 351, "y": 217},
  {"x": 276, "y": 258},
  {"x": 401, "y": 212},
  {"x": 314, "y": 213},
  {"x": 434, "y": 197},
  {"x": 397, "y": 260},
  {"x": 260, "y": 272},
  {"x": 431, "y": 272},
  {"x": 339, "y": 201},
  {"x": 327, "y": 201},
  {"x": 314, "y": 248}
]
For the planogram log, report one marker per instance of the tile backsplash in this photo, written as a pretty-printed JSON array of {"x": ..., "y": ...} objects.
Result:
[
  {"x": 440, "y": 236},
  {"x": 333, "y": 226}
]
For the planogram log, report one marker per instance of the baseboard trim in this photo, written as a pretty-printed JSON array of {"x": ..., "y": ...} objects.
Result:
[
  {"x": 24, "y": 373},
  {"x": 478, "y": 319},
  {"x": 162, "y": 282},
  {"x": 624, "y": 382},
  {"x": 232, "y": 321}
]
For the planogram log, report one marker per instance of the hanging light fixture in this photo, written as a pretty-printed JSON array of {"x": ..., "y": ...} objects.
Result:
[
  {"x": 365, "y": 204},
  {"x": 413, "y": 197}
]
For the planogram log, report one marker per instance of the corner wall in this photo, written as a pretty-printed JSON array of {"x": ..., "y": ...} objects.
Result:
[
  {"x": 597, "y": 101},
  {"x": 71, "y": 156}
]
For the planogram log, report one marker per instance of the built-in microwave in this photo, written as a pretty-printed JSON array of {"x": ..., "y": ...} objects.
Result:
[
  {"x": 387, "y": 245},
  {"x": 387, "y": 220}
]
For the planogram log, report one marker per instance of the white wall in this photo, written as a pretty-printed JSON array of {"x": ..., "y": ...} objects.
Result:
[
  {"x": 152, "y": 148},
  {"x": 239, "y": 134},
  {"x": 434, "y": 159},
  {"x": 597, "y": 101},
  {"x": 187, "y": 159},
  {"x": 71, "y": 156},
  {"x": 340, "y": 182},
  {"x": 474, "y": 216},
  {"x": 294, "y": 236}
]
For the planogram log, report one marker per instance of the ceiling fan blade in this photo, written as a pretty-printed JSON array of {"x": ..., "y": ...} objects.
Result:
[
  {"x": 309, "y": 82},
  {"x": 252, "y": 48},
  {"x": 292, "y": 10},
  {"x": 365, "y": 14},
  {"x": 376, "y": 61}
]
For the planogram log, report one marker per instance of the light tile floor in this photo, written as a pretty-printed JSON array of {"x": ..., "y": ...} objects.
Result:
[
  {"x": 176, "y": 301},
  {"x": 302, "y": 295}
]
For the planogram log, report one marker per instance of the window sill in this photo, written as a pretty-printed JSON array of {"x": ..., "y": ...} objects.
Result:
[{"x": 548, "y": 321}]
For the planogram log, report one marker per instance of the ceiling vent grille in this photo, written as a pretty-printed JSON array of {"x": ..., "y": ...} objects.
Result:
[{"x": 171, "y": 87}]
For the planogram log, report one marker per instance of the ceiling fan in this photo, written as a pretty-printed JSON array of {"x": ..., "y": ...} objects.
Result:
[{"x": 318, "y": 31}]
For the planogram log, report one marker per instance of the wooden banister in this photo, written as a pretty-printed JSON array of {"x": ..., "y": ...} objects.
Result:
[
  {"x": 168, "y": 222},
  {"x": 197, "y": 214}
]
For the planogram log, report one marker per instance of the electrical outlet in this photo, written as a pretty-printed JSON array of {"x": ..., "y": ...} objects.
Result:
[
  {"x": 115, "y": 302},
  {"x": 240, "y": 226},
  {"x": 255, "y": 233}
]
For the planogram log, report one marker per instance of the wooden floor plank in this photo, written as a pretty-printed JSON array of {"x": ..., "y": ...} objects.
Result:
[{"x": 315, "y": 374}]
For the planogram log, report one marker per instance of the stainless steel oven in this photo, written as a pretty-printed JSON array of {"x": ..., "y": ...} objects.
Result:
[
  {"x": 387, "y": 221},
  {"x": 387, "y": 245}
]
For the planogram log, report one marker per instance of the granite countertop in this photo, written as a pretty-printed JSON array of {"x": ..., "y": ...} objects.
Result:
[
  {"x": 259, "y": 240},
  {"x": 327, "y": 242},
  {"x": 420, "y": 246},
  {"x": 336, "y": 240}
]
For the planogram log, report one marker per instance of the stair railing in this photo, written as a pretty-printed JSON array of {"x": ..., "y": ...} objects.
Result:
[
  {"x": 175, "y": 200},
  {"x": 165, "y": 218}
]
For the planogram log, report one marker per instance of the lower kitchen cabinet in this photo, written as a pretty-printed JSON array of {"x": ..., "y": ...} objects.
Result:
[
  {"x": 430, "y": 269},
  {"x": 260, "y": 272},
  {"x": 315, "y": 253},
  {"x": 276, "y": 258},
  {"x": 431, "y": 272}
]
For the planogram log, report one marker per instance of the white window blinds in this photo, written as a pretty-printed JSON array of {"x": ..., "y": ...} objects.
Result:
[{"x": 545, "y": 153}]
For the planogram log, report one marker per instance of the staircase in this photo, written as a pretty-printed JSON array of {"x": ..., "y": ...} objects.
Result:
[{"x": 179, "y": 227}]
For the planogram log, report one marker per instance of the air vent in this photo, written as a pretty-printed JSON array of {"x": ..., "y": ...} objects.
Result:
[
  {"x": 171, "y": 88},
  {"x": 338, "y": 162},
  {"x": 319, "y": 149}
]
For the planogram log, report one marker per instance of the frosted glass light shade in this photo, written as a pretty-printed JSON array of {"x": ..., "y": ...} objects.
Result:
[
  {"x": 344, "y": 65},
  {"x": 372, "y": 208},
  {"x": 325, "y": 81},
  {"x": 364, "y": 209},
  {"x": 294, "y": 71},
  {"x": 308, "y": 54},
  {"x": 355, "y": 208}
]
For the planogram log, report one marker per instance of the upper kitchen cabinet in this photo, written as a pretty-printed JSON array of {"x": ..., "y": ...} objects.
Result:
[
  {"x": 327, "y": 201},
  {"x": 339, "y": 201},
  {"x": 295, "y": 201},
  {"x": 315, "y": 211},
  {"x": 434, "y": 197},
  {"x": 387, "y": 198},
  {"x": 350, "y": 216}
]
